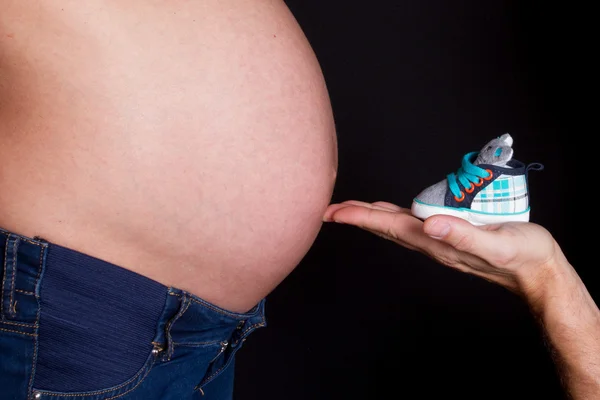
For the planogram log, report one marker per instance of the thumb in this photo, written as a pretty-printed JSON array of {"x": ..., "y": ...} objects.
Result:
[{"x": 461, "y": 235}]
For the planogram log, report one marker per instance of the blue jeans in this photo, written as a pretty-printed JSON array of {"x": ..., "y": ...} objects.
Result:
[{"x": 73, "y": 327}]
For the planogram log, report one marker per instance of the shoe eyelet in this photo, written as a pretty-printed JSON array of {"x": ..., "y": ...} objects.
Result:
[
  {"x": 461, "y": 198},
  {"x": 470, "y": 189},
  {"x": 490, "y": 176},
  {"x": 479, "y": 183}
]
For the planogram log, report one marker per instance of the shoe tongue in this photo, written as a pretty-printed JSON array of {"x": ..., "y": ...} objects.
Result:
[{"x": 497, "y": 152}]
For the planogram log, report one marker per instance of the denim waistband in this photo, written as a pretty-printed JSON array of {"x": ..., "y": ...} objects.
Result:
[{"x": 89, "y": 314}]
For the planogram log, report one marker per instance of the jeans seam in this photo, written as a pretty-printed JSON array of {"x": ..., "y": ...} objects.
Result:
[
  {"x": 222, "y": 312},
  {"x": 37, "y": 318},
  {"x": 197, "y": 344},
  {"x": 137, "y": 384},
  {"x": 145, "y": 371},
  {"x": 217, "y": 309},
  {"x": 249, "y": 330},
  {"x": 252, "y": 327},
  {"x": 170, "y": 345},
  {"x": 23, "y": 238},
  {"x": 21, "y": 333},
  {"x": 217, "y": 372},
  {"x": 4, "y": 272},
  {"x": 8, "y": 283},
  {"x": 23, "y": 324},
  {"x": 14, "y": 273}
]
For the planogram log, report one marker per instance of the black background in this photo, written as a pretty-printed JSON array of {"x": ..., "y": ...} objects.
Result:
[{"x": 415, "y": 85}]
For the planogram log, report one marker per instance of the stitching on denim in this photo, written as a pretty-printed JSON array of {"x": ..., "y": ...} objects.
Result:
[
  {"x": 37, "y": 320},
  {"x": 214, "y": 308},
  {"x": 197, "y": 344},
  {"x": 4, "y": 277},
  {"x": 222, "y": 312},
  {"x": 179, "y": 315},
  {"x": 252, "y": 327},
  {"x": 182, "y": 310},
  {"x": 207, "y": 380},
  {"x": 22, "y": 333},
  {"x": 25, "y": 292},
  {"x": 217, "y": 372},
  {"x": 14, "y": 273},
  {"x": 25, "y": 239},
  {"x": 145, "y": 370},
  {"x": 136, "y": 386},
  {"x": 25, "y": 324}
]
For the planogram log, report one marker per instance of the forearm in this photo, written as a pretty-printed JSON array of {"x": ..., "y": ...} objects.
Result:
[{"x": 571, "y": 322}]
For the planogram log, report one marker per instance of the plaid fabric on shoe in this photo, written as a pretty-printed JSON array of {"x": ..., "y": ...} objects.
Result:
[{"x": 489, "y": 187}]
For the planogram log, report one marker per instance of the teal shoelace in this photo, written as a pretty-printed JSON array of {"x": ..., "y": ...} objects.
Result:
[{"x": 468, "y": 175}]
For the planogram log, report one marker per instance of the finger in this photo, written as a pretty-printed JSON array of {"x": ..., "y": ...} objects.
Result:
[
  {"x": 401, "y": 228},
  {"x": 462, "y": 235},
  {"x": 333, "y": 208},
  {"x": 398, "y": 226},
  {"x": 395, "y": 240},
  {"x": 389, "y": 206},
  {"x": 356, "y": 203},
  {"x": 381, "y": 204},
  {"x": 365, "y": 216},
  {"x": 378, "y": 204}
]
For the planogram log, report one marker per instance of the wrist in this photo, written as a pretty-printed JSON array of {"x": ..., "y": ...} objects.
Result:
[{"x": 549, "y": 281}]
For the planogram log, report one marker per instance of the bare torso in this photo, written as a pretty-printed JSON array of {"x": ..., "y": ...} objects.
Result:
[{"x": 189, "y": 141}]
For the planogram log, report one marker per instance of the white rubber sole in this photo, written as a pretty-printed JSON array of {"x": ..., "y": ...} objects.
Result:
[{"x": 424, "y": 211}]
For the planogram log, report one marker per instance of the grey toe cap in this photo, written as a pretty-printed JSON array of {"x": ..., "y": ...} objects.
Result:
[{"x": 434, "y": 194}]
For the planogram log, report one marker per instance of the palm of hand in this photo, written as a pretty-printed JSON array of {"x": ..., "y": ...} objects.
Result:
[{"x": 511, "y": 254}]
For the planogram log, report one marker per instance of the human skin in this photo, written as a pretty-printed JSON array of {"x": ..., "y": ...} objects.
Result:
[
  {"x": 523, "y": 257},
  {"x": 190, "y": 142}
]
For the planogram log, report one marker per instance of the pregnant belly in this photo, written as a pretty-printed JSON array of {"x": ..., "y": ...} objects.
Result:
[{"x": 191, "y": 142}]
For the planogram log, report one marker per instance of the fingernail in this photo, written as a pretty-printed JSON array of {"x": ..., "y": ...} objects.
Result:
[{"x": 437, "y": 229}]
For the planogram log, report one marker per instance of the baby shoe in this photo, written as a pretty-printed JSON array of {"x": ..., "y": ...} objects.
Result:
[{"x": 490, "y": 187}]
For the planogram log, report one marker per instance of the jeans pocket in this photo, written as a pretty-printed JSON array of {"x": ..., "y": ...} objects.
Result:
[{"x": 128, "y": 386}]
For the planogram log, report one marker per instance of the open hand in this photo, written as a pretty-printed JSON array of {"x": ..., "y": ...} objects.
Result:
[{"x": 516, "y": 255}]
